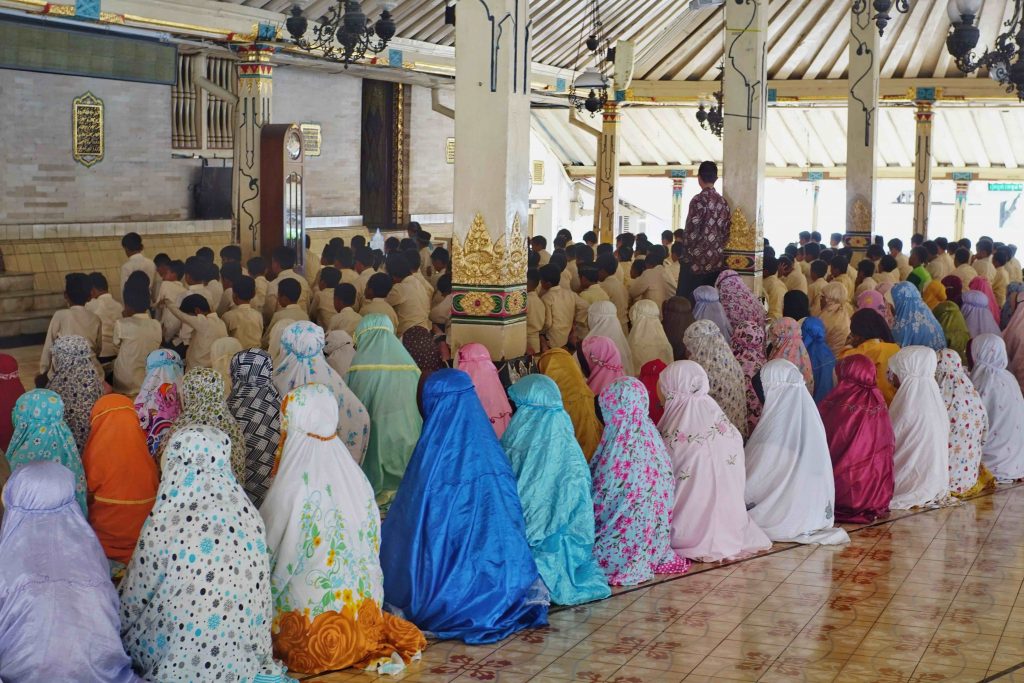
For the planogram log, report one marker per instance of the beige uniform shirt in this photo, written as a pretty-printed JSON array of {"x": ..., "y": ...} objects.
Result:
[
  {"x": 206, "y": 329},
  {"x": 618, "y": 295},
  {"x": 184, "y": 335},
  {"x": 892, "y": 277},
  {"x": 109, "y": 312},
  {"x": 348, "y": 276},
  {"x": 170, "y": 293},
  {"x": 347, "y": 319},
  {"x": 322, "y": 309},
  {"x": 411, "y": 303},
  {"x": 270, "y": 305},
  {"x": 380, "y": 306},
  {"x": 291, "y": 313},
  {"x": 937, "y": 268},
  {"x": 866, "y": 284},
  {"x": 574, "y": 275},
  {"x": 259, "y": 299},
  {"x": 805, "y": 268},
  {"x": 796, "y": 281},
  {"x": 361, "y": 280},
  {"x": 545, "y": 257},
  {"x": 671, "y": 276},
  {"x": 774, "y": 292},
  {"x": 426, "y": 265},
  {"x": 69, "y": 321},
  {"x": 814, "y": 290},
  {"x": 966, "y": 273},
  {"x": 1013, "y": 270},
  {"x": 312, "y": 267},
  {"x": 652, "y": 286},
  {"x": 534, "y": 321},
  {"x": 562, "y": 309},
  {"x": 227, "y": 301},
  {"x": 985, "y": 269},
  {"x": 245, "y": 324},
  {"x": 903, "y": 264},
  {"x": 593, "y": 294},
  {"x": 134, "y": 338},
  {"x": 139, "y": 262},
  {"x": 848, "y": 282},
  {"x": 1000, "y": 284},
  {"x": 441, "y": 311}
]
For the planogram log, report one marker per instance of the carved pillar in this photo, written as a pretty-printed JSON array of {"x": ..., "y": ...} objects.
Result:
[
  {"x": 923, "y": 161},
  {"x": 607, "y": 198},
  {"x": 815, "y": 194},
  {"x": 678, "y": 179},
  {"x": 963, "y": 183},
  {"x": 745, "y": 102},
  {"x": 255, "y": 90},
  {"x": 862, "y": 129},
  {"x": 492, "y": 176}
]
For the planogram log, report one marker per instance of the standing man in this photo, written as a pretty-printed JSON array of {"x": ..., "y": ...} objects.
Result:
[{"x": 707, "y": 232}]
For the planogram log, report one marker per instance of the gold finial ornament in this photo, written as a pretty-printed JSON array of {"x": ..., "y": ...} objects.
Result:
[
  {"x": 479, "y": 261},
  {"x": 860, "y": 216},
  {"x": 742, "y": 235}
]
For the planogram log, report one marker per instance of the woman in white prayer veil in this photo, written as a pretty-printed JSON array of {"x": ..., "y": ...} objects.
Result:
[
  {"x": 603, "y": 321},
  {"x": 790, "y": 491},
  {"x": 1004, "y": 450},
  {"x": 921, "y": 425},
  {"x": 339, "y": 350},
  {"x": 647, "y": 340}
]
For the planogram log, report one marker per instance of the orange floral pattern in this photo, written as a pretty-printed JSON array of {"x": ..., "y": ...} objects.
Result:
[{"x": 339, "y": 640}]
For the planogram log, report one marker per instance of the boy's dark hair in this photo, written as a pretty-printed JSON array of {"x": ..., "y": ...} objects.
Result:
[
  {"x": 626, "y": 239},
  {"x": 942, "y": 242},
  {"x": 965, "y": 243},
  {"x": 136, "y": 298},
  {"x": 816, "y": 236},
  {"x": 790, "y": 250},
  {"x": 78, "y": 288},
  {"x": 412, "y": 257},
  {"x": 357, "y": 242},
  {"x": 962, "y": 256},
  {"x": 212, "y": 272},
  {"x": 827, "y": 255},
  {"x": 1001, "y": 256},
  {"x": 378, "y": 259},
  {"x": 363, "y": 255},
  {"x": 561, "y": 241},
  {"x": 589, "y": 271},
  {"x": 655, "y": 257},
  {"x": 636, "y": 268},
  {"x": 444, "y": 284},
  {"x": 921, "y": 253},
  {"x": 380, "y": 284},
  {"x": 584, "y": 253},
  {"x": 539, "y": 241},
  {"x": 836, "y": 237},
  {"x": 177, "y": 267},
  {"x": 557, "y": 260},
  {"x": 895, "y": 243},
  {"x": 344, "y": 257},
  {"x": 866, "y": 267},
  {"x": 917, "y": 239},
  {"x": 291, "y": 289},
  {"x": 875, "y": 252},
  {"x": 205, "y": 253},
  {"x": 608, "y": 264},
  {"x": 787, "y": 259},
  {"x": 244, "y": 288},
  {"x": 392, "y": 244},
  {"x": 984, "y": 245},
  {"x": 328, "y": 253},
  {"x": 256, "y": 266},
  {"x": 330, "y": 277},
  {"x": 405, "y": 244},
  {"x": 625, "y": 254},
  {"x": 678, "y": 249},
  {"x": 550, "y": 275},
  {"x": 336, "y": 242},
  {"x": 812, "y": 250},
  {"x": 667, "y": 236},
  {"x": 423, "y": 238},
  {"x": 98, "y": 281},
  {"x": 161, "y": 259},
  {"x": 195, "y": 268},
  {"x": 441, "y": 254},
  {"x": 138, "y": 279},
  {"x": 285, "y": 257},
  {"x": 771, "y": 265},
  {"x": 888, "y": 264},
  {"x": 345, "y": 293},
  {"x": 819, "y": 268},
  {"x": 232, "y": 272},
  {"x": 590, "y": 237},
  {"x": 804, "y": 235},
  {"x": 532, "y": 259},
  {"x": 132, "y": 241},
  {"x": 840, "y": 263},
  {"x": 679, "y": 234},
  {"x": 931, "y": 247},
  {"x": 195, "y": 303},
  {"x": 605, "y": 248},
  {"x": 532, "y": 277},
  {"x": 231, "y": 252},
  {"x": 398, "y": 266},
  {"x": 708, "y": 171}
]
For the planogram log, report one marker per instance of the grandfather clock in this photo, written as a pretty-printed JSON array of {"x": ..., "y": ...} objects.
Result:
[{"x": 282, "y": 202}]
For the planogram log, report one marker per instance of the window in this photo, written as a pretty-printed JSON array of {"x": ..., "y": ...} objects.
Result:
[{"x": 201, "y": 121}]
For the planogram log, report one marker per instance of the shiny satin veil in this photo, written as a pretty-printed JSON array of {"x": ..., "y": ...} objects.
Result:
[{"x": 454, "y": 551}]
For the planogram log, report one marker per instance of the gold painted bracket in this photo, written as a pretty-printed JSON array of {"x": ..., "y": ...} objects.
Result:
[{"x": 478, "y": 260}]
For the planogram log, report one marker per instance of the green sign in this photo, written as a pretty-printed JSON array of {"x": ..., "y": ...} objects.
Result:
[{"x": 1006, "y": 187}]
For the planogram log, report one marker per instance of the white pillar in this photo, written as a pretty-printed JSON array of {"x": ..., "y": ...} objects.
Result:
[
  {"x": 746, "y": 103},
  {"x": 963, "y": 183},
  {"x": 492, "y": 176},
  {"x": 923, "y": 161},
  {"x": 862, "y": 129}
]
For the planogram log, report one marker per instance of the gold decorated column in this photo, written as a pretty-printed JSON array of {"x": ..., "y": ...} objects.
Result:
[
  {"x": 744, "y": 86},
  {"x": 607, "y": 174},
  {"x": 923, "y": 159},
  {"x": 862, "y": 129},
  {"x": 492, "y": 176},
  {"x": 255, "y": 89},
  {"x": 963, "y": 183}
]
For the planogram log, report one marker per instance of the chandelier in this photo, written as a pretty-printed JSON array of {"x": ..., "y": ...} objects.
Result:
[
  {"x": 344, "y": 34},
  {"x": 883, "y": 9},
  {"x": 711, "y": 116},
  {"x": 1005, "y": 62},
  {"x": 592, "y": 80}
]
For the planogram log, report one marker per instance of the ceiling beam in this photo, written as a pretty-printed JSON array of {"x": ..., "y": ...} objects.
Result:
[
  {"x": 994, "y": 173},
  {"x": 827, "y": 89}
]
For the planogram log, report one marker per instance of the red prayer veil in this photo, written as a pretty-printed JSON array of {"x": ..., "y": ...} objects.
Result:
[
  {"x": 860, "y": 441},
  {"x": 10, "y": 389},
  {"x": 649, "y": 375}
]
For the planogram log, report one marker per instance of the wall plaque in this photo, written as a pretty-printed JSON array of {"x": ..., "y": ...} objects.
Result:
[
  {"x": 311, "y": 138},
  {"x": 449, "y": 150},
  {"x": 87, "y": 130}
]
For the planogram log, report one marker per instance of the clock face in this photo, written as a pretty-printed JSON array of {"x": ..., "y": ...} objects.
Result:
[{"x": 293, "y": 145}]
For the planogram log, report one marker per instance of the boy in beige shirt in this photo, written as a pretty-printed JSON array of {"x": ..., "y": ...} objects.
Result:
[
  {"x": 345, "y": 317},
  {"x": 375, "y": 298},
  {"x": 257, "y": 269},
  {"x": 564, "y": 311},
  {"x": 774, "y": 289},
  {"x": 651, "y": 284},
  {"x": 281, "y": 266},
  {"x": 135, "y": 336},
  {"x": 363, "y": 259},
  {"x": 108, "y": 311},
  {"x": 288, "y": 294},
  {"x": 407, "y": 297},
  {"x": 865, "y": 277},
  {"x": 535, "y": 313},
  {"x": 172, "y": 291},
  {"x": 321, "y": 308},
  {"x": 206, "y": 327},
  {"x": 819, "y": 273},
  {"x": 244, "y": 322},
  {"x": 441, "y": 311},
  {"x": 590, "y": 289},
  {"x": 611, "y": 283},
  {"x": 791, "y": 275},
  {"x": 73, "y": 320}
]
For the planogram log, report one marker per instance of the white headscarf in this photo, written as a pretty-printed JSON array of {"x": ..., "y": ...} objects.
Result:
[
  {"x": 340, "y": 350},
  {"x": 303, "y": 362},
  {"x": 790, "y": 489},
  {"x": 1003, "y": 454},
  {"x": 921, "y": 425},
  {"x": 603, "y": 321},
  {"x": 647, "y": 340}
]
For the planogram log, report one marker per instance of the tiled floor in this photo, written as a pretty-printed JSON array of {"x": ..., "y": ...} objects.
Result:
[{"x": 928, "y": 597}]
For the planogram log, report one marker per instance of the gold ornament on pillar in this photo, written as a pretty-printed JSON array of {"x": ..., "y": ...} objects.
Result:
[
  {"x": 480, "y": 261},
  {"x": 860, "y": 224},
  {"x": 742, "y": 235}
]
